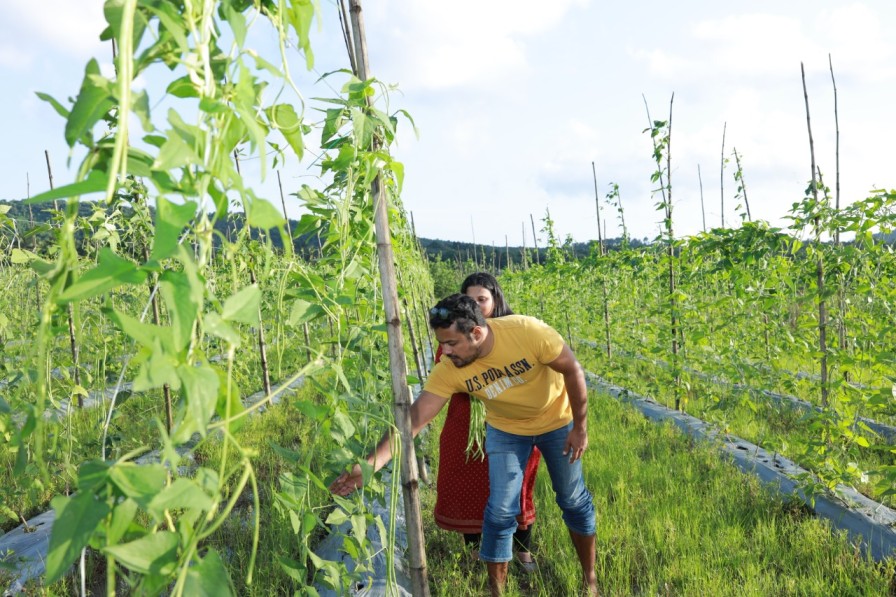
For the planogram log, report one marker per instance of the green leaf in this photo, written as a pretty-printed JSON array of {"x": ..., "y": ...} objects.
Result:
[
  {"x": 110, "y": 272},
  {"x": 182, "y": 494},
  {"x": 92, "y": 474},
  {"x": 145, "y": 334},
  {"x": 139, "y": 482},
  {"x": 121, "y": 519},
  {"x": 93, "y": 102},
  {"x": 243, "y": 306},
  {"x": 294, "y": 569},
  {"x": 289, "y": 456},
  {"x": 60, "y": 109},
  {"x": 302, "y": 312},
  {"x": 94, "y": 183},
  {"x": 208, "y": 578},
  {"x": 300, "y": 16},
  {"x": 158, "y": 369},
  {"x": 170, "y": 221},
  {"x": 183, "y": 306},
  {"x": 337, "y": 517},
  {"x": 182, "y": 88},
  {"x": 230, "y": 401},
  {"x": 260, "y": 213},
  {"x": 76, "y": 519},
  {"x": 20, "y": 256},
  {"x": 342, "y": 427},
  {"x": 177, "y": 151},
  {"x": 218, "y": 327},
  {"x": 317, "y": 412},
  {"x": 283, "y": 117},
  {"x": 155, "y": 553},
  {"x": 201, "y": 395}
]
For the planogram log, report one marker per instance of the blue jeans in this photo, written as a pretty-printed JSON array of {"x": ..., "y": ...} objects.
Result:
[{"x": 507, "y": 458}]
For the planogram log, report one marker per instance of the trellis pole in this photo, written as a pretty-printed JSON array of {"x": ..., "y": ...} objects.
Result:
[{"x": 402, "y": 397}]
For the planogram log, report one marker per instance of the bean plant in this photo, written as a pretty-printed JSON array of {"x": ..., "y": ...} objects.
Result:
[{"x": 188, "y": 306}]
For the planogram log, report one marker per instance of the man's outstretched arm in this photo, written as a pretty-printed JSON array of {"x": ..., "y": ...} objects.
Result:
[
  {"x": 423, "y": 410},
  {"x": 574, "y": 378}
]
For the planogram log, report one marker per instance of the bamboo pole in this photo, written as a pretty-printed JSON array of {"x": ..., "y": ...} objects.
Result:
[
  {"x": 307, "y": 340},
  {"x": 402, "y": 398},
  {"x": 819, "y": 264},
  {"x": 525, "y": 255},
  {"x": 836, "y": 149},
  {"x": 600, "y": 242},
  {"x": 535, "y": 240},
  {"x": 50, "y": 174},
  {"x": 676, "y": 329},
  {"x": 157, "y": 319},
  {"x": 600, "y": 238},
  {"x": 507, "y": 260},
  {"x": 262, "y": 347},
  {"x": 702, "y": 207},
  {"x": 722, "y": 173},
  {"x": 841, "y": 291},
  {"x": 666, "y": 193},
  {"x": 418, "y": 314},
  {"x": 743, "y": 183},
  {"x": 417, "y": 357},
  {"x": 285, "y": 217},
  {"x": 475, "y": 252},
  {"x": 73, "y": 342}
]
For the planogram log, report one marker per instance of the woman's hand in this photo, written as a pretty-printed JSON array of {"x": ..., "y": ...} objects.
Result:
[{"x": 347, "y": 482}]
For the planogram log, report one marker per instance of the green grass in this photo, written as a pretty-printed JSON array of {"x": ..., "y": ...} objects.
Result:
[
  {"x": 673, "y": 519},
  {"x": 776, "y": 427}
]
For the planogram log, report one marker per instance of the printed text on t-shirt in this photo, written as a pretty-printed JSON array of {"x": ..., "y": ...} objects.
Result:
[{"x": 495, "y": 380}]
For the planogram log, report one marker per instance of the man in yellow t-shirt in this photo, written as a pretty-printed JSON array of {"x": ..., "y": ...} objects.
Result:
[{"x": 534, "y": 393}]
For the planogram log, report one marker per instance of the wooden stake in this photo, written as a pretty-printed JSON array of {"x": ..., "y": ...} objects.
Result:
[
  {"x": 722, "y": 173},
  {"x": 841, "y": 291},
  {"x": 600, "y": 238},
  {"x": 262, "y": 347},
  {"x": 743, "y": 183},
  {"x": 702, "y": 208},
  {"x": 157, "y": 319},
  {"x": 819, "y": 264},
  {"x": 285, "y": 217},
  {"x": 525, "y": 255},
  {"x": 73, "y": 342},
  {"x": 402, "y": 399},
  {"x": 535, "y": 240}
]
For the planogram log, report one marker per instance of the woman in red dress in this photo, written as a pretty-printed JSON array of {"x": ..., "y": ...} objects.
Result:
[{"x": 462, "y": 484}]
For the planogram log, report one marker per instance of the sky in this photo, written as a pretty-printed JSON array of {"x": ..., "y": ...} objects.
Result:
[{"x": 514, "y": 101}]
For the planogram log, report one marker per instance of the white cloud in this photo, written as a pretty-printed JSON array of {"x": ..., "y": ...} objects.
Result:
[
  {"x": 857, "y": 42},
  {"x": 440, "y": 46},
  {"x": 71, "y": 26}
]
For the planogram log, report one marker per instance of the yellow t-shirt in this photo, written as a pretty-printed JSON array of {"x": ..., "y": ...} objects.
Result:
[{"x": 522, "y": 395}]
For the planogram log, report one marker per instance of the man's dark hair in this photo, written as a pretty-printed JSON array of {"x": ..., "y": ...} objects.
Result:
[
  {"x": 488, "y": 281},
  {"x": 456, "y": 309}
]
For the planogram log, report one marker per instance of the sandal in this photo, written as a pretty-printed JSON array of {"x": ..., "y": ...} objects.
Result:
[{"x": 525, "y": 561}]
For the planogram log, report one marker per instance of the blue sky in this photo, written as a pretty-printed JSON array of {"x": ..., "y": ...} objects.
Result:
[{"x": 515, "y": 100}]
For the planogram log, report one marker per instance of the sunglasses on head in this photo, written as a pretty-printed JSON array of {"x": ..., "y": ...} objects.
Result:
[{"x": 440, "y": 312}]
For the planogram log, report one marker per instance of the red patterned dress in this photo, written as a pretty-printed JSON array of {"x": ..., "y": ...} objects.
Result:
[{"x": 462, "y": 484}]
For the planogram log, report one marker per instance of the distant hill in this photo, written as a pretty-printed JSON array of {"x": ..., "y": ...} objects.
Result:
[{"x": 38, "y": 217}]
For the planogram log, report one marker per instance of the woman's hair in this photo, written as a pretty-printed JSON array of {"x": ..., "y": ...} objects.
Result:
[{"x": 488, "y": 282}]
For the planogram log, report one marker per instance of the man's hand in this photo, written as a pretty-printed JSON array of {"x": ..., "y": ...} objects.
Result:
[
  {"x": 347, "y": 482},
  {"x": 576, "y": 442}
]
